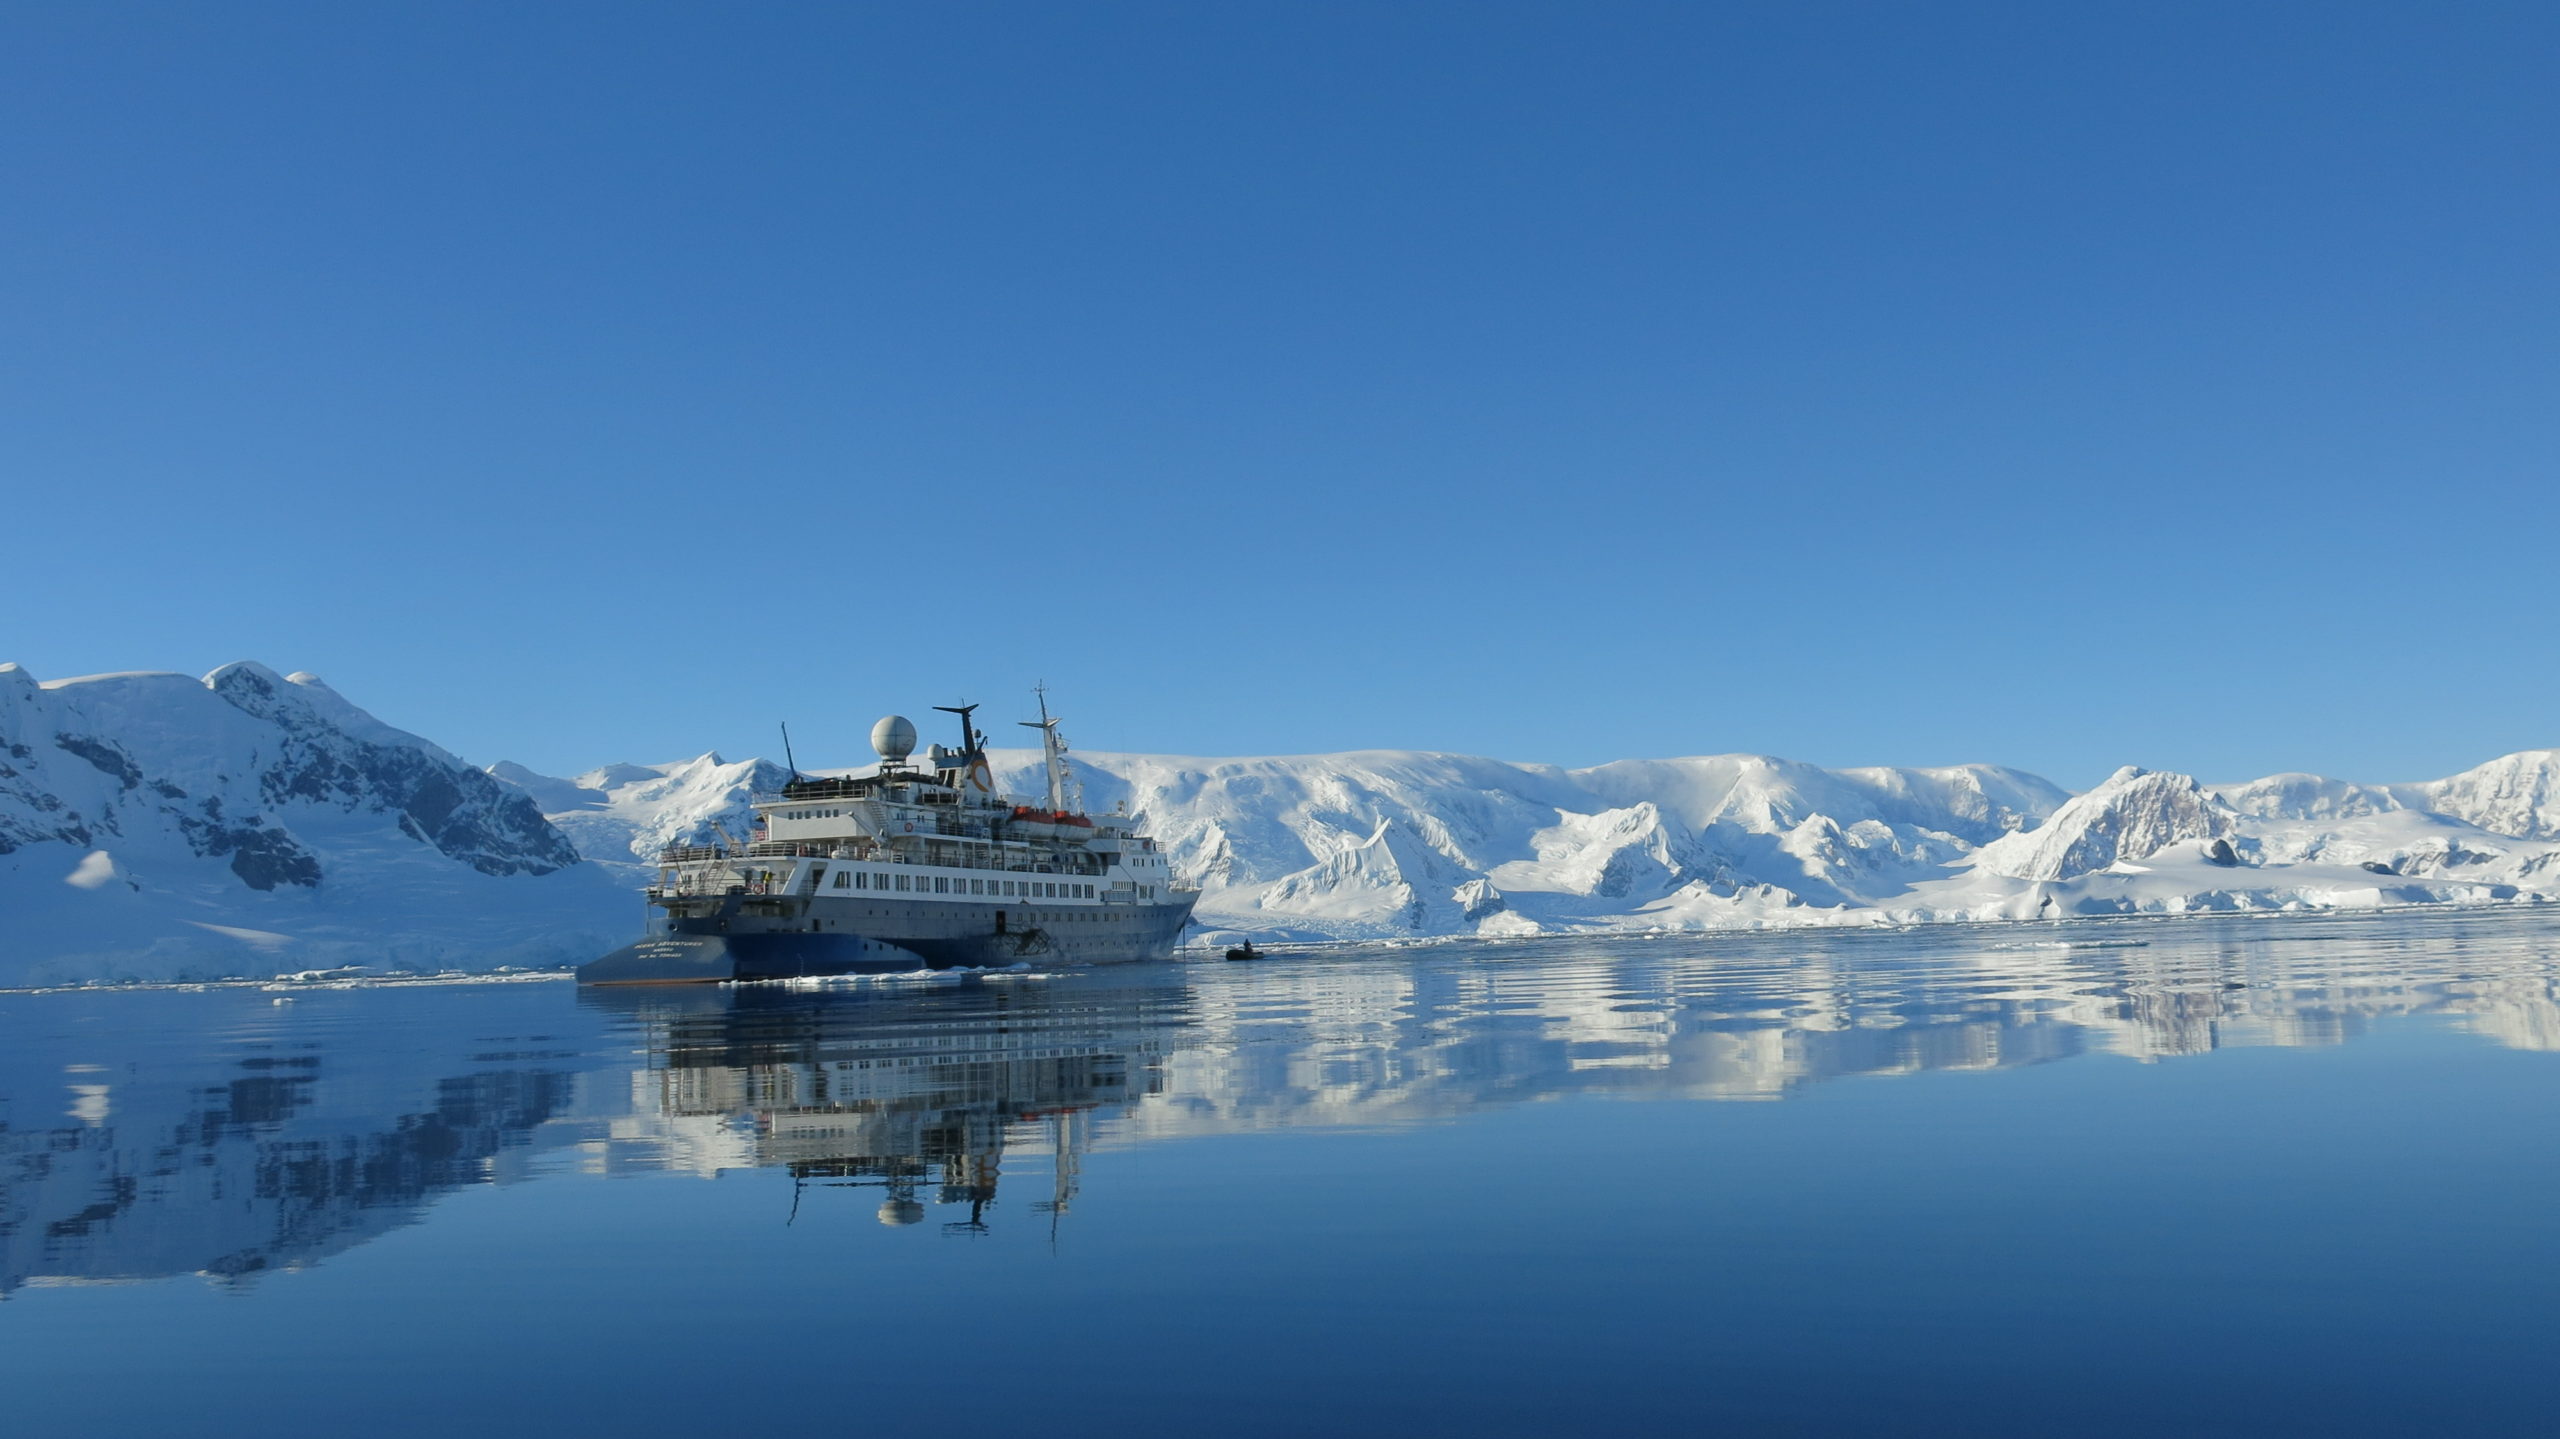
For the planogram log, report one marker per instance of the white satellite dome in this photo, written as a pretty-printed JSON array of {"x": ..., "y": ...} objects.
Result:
[{"x": 894, "y": 737}]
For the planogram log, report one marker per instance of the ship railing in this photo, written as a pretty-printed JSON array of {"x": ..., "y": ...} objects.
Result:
[
  {"x": 862, "y": 853},
  {"x": 815, "y": 789},
  {"x": 714, "y": 889}
]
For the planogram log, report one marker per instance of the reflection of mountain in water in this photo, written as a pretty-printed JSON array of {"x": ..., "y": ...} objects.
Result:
[
  {"x": 158, "y": 1134},
  {"x": 245, "y": 1147},
  {"x": 915, "y": 1091},
  {"x": 922, "y": 1092},
  {"x": 1320, "y": 1042}
]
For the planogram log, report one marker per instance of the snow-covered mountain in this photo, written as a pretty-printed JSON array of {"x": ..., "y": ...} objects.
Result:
[
  {"x": 1382, "y": 843},
  {"x": 2134, "y": 815},
  {"x": 158, "y": 825},
  {"x": 2517, "y": 794},
  {"x": 621, "y": 815},
  {"x": 161, "y": 826}
]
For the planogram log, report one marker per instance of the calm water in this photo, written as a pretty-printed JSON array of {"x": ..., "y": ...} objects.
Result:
[{"x": 2282, "y": 1176}]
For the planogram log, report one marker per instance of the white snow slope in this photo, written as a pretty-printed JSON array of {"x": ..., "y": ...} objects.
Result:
[
  {"x": 157, "y": 826},
  {"x": 1398, "y": 843}
]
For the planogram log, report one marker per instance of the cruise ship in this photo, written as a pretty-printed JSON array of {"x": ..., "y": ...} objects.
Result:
[{"x": 913, "y": 866}]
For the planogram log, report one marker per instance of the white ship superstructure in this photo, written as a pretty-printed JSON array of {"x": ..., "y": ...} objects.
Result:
[{"x": 910, "y": 865}]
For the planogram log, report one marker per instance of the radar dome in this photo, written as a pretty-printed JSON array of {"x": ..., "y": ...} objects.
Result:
[
  {"x": 898, "y": 1213},
  {"x": 894, "y": 737}
]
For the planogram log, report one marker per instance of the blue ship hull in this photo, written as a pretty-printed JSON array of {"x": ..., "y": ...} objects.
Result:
[{"x": 722, "y": 958}]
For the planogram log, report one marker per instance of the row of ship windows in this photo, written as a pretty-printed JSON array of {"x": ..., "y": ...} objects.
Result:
[{"x": 942, "y": 884}]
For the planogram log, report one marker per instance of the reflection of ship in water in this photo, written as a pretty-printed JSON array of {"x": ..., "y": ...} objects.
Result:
[{"x": 919, "y": 1091}]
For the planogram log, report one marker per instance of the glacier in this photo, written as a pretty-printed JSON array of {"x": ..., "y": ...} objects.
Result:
[{"x": 245, "y": 823}]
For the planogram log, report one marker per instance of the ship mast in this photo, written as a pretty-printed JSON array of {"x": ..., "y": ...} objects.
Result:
[{"x": 1053, "y": 749}]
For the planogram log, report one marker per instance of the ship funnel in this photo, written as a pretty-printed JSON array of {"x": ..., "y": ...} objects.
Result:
[{"x": 893, "y": 738}]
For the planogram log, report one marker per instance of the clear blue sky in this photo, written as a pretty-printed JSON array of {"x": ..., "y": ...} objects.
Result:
[{"x": 2054, "y": 385}]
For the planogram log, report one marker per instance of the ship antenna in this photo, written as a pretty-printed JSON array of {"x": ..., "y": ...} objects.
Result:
[{"x": 786, "y": 752}]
